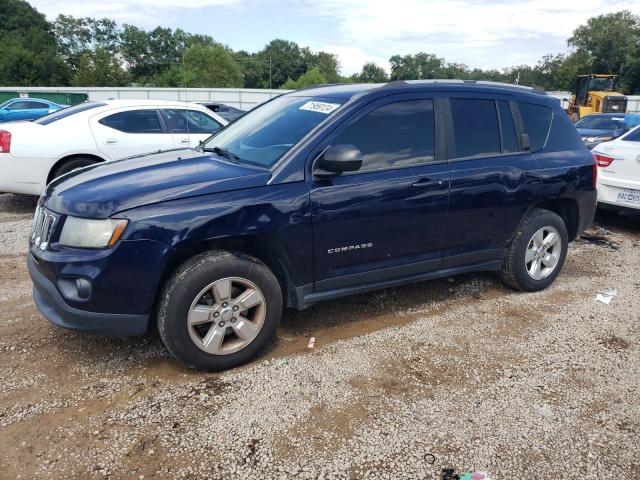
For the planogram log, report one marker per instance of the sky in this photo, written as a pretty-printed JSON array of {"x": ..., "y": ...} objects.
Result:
[{"x": 479, "y": 33}]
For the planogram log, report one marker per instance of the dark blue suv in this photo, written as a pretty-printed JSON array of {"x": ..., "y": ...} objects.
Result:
[{"x": 316, "y": 194}]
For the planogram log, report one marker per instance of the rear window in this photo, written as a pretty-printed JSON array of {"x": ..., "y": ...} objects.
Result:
[
  {"x": 633, "y": 136},
  {"x": 66, "y": 112},
  {"x": 537, "y": 121},
  {"x": 475, "y": 127}
]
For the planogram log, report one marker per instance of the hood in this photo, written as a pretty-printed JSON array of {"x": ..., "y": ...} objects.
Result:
[
  {"x": 102, "y": 190},
  {"x": 598, "y": 132}
]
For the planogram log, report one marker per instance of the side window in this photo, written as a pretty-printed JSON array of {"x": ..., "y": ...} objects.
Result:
[
  {"x": 394, "y": 135},
  {"x": 537, "y": 121},
  {"x": 20, "y": 105},
  {"x": 191, "y": 121},
  {"x": 134, "y": 121},
  {"x": 634, "y": 136},
  {"x": 509, "y": 134},
  {"x": 37, "y": 105},
  {"x": 475, "y": 127}
]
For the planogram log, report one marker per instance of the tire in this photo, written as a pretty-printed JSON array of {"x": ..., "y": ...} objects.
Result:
[
  {"x": 200, "y": 328},
  {"x": 517, "y": 272},
  {"x": 70, "y": 165}
]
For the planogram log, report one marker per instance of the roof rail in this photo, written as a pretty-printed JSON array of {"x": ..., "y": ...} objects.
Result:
[{"x": 461, "y": 82}]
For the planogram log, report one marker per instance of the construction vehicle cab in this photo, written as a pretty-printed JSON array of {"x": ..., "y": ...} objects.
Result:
[{"x": 596, "y": 93}]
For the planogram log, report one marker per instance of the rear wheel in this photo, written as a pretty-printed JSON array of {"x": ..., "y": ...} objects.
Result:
[
  {"x": 70, "y": 165},
  {"x": 537, "y": 252},
  {"x": 219, "y": 309}
]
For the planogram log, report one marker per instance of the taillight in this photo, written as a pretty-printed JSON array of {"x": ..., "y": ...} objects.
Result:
[
  {"x": 602, "y": 160},
  {"x": 5, "y": 141}
]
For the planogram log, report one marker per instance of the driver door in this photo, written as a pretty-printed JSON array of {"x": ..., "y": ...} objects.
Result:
[{"x": 387, "y": 220}]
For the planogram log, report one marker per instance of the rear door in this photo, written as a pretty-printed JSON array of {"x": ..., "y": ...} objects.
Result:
[
  {"x": 386, "y": 220},
  {"x": 38, "y": 109},
  {"x": 123, "y": 133},
  {"x": 189, "y": 127},
  {"x": 493, "y": 180}
]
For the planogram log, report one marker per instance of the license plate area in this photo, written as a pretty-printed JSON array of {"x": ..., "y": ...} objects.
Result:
[{"x": 628, "y": 196}]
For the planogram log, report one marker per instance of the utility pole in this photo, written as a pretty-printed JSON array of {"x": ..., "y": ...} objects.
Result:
[{"x": 269, "y": 73}]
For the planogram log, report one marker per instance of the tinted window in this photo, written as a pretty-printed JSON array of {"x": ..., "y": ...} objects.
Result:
[
  {"x": 134, "y": 121},
  {"x": 66, "y": 112},
  {"x": 509, "y": 135},
  {"x": 633, "y": 136},
  {"x": 475, "y": 127},
  {"x": 20, "y": 105},
  {"x": 394, "y": 135},
  {"x": 537, "y": 120},
  {"x": 189, "y": 121},
  {"x": 37, "y": 105},
  {"x": 598, "y": 122}
]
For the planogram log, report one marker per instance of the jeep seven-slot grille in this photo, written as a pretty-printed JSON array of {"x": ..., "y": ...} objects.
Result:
[{"x": 44, "y": 223}]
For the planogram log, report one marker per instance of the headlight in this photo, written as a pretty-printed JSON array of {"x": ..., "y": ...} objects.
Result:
[{"x": 89, "y": 233}]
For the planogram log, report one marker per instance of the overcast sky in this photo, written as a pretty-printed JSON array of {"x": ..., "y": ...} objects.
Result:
[{"x": 479, "y": 33}]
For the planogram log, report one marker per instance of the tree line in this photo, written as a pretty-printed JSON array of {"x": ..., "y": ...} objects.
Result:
[{"x": 99, "y": 52}]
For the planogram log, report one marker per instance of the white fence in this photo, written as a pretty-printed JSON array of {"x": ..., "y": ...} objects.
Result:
[{"x": 243, "y": 98}]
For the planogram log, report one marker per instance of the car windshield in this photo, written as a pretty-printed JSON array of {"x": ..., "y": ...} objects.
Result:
[
  {"x": 601, "y": 84},
  {"x": 65, "y": 112},
  {"x": 5, "y": 103},
  {"x": 261, "y": 137},
  {"x": 597, "y": 122}
]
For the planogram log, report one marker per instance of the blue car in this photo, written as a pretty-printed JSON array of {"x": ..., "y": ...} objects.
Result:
[
  {"x": 316, "y": 194},
  {"x": 26, "y": 109},
  {"x": 603, "y": 127}
]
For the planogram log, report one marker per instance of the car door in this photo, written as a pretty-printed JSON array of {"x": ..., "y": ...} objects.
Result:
[
  {"x": 493, "y": 178},
  {"x": 18, "y": 110},
  {"x": 189, "y": 127},
  {"x": 386, "y": 220},
  {"x": 129, "y": 132}
]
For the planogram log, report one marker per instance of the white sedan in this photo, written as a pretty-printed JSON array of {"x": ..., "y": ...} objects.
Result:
[
  {"x": 619, "y": 171},
  {"x": 34, "y": 153}
]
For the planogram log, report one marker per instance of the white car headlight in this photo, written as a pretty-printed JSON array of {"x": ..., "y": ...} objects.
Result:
[
  {"x": 598, "y": 139},
  {"x": 89, "y": 233}
]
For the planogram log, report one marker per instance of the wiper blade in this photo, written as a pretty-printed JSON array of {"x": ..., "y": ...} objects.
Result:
[{"x": 223, "y": 152}]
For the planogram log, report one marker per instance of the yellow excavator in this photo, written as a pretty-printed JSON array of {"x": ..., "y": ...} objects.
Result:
[{"x": 596, "y": 93}]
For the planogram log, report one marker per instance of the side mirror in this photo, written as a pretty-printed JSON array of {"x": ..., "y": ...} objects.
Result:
[{"x": 338, "y": 159}]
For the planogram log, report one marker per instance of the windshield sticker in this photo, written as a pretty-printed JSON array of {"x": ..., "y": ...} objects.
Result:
[{"x": 320, "y": 107}]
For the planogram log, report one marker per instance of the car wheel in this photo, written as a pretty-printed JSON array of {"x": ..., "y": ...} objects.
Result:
[
  {"x": 71, "y": 165},
  {"x": 219, "y": 309},
  {"x": 537, "y": 252}
]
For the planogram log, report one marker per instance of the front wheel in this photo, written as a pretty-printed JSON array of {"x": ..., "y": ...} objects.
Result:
[
  {"x": 219, "y": 310},
  {"x": 537, "y": 252}
]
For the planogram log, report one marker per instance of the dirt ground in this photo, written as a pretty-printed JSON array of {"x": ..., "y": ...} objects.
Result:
[{"x": 458, "y": 373}]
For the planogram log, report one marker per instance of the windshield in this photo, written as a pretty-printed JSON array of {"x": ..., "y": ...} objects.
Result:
[
  {"x": 65, "y": 112},
  {"x": 601, "y": 84},
  {"x": 5, "y": 103},
  {"x": 601, "y": 123},
  {"x": 261, "y": 137}
]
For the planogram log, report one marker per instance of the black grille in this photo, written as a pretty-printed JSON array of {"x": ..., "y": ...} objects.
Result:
[
  {"x": 615, "y": 104},
  {"x": 44, "y": 223}
]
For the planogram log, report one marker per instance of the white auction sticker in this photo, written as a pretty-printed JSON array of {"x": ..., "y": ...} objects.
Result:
[{"x": 320, "y": 107}]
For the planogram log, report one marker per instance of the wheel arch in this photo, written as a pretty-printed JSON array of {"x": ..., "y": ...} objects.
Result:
[
  {"x": 567, "y": 209},
  {"x": 71, "y": 157},
  {"x": 262, "y": 247}
]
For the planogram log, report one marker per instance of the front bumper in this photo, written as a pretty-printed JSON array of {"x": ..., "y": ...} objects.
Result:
[{"x": 51, "y": 304}]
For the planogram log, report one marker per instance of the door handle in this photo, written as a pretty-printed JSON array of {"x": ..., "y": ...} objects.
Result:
[
  {"x": 184, "y": 140},
  {"x": 427, "y": 182},
  {"x": 111, "y": 141}
]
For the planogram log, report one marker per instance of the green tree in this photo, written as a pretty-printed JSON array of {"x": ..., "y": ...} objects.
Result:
[
  {"x": 310, "y": 78},
  {"x": 99, "y": 68},
  {"x": 29, "y": 49},
  {"x": 371, "y": 73},
  {"x": 210, "y": 66}
]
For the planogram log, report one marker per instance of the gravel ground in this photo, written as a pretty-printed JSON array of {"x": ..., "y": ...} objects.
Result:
[{"x": 459, "y": 374}]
